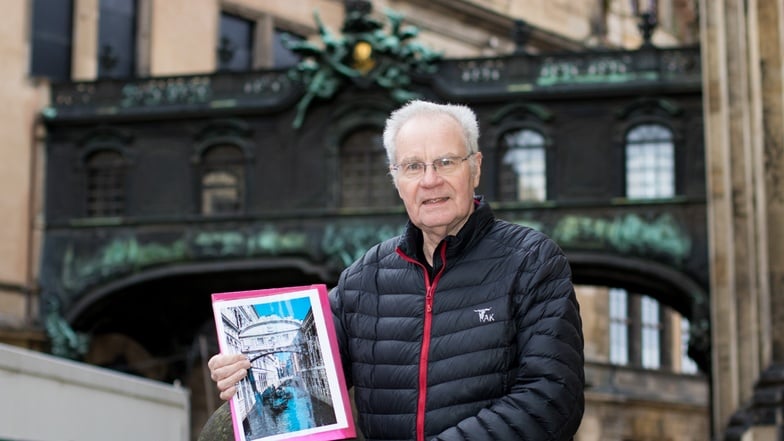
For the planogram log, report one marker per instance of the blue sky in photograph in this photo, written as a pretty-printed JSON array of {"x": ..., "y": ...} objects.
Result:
[{"x": 296, "y": 308}]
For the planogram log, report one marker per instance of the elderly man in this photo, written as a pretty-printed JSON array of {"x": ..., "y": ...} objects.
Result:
[{"x": 465, "y": 327}]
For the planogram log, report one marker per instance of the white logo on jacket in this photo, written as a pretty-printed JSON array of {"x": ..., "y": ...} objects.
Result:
[{"x": 485, "y": 315}]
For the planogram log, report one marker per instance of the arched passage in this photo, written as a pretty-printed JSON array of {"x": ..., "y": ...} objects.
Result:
[
  {"x": 159, "y": 323},
  {"x": 166, "y": 309},
  {"x": 661, "y": 282}
]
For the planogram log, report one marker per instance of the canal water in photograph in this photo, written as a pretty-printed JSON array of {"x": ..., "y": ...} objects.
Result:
[{"x": 284, "y": 409}]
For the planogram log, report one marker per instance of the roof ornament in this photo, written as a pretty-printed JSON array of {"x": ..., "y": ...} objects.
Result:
[
  {"x": 648, "y": 20},
  {"x": 364, "y": 55}
]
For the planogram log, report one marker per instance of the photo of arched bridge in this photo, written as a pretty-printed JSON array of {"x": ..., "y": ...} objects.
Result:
[{"x": 286, "y": 389}]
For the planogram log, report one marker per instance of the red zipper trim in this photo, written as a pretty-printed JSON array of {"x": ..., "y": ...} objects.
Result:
[{"x": 430, "y": 290}]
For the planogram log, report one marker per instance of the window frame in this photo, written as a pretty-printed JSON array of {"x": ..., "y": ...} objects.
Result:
[
  {"x": 244, "y": 49},
  {"x": 651, "y": 339},
  {"x": 118, "y": 173},
  {"x": 266, "y": 30},
  {"x": 231, "y": 133},
  {"x": 204, "y": 166},
  {"x": 107, "y": 37},
  {"x": 41, "y": 35},
  {"x": 651, "y": 146},
  {"x": 377, "y": 182},
  {"x": 618, "y": 333},
  {"x": 233, "y": 168},
  {"x": 504, "y": 148},
  {"x": 651, "y": 326}
]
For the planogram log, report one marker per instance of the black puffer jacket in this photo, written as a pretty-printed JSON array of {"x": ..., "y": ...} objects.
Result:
[{"x": 486, "y": 346}]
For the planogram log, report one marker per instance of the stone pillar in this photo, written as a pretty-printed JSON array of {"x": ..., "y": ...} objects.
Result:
[
  {"x": 742, "y": 43},
  {"x": 84, "y": 53}
]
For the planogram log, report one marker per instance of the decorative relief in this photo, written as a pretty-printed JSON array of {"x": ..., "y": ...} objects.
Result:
[
  {"x": 364, "y": 54},
  {"x": 476, "y": 71},
  {"x": 83, "y": 267},
  {"x": 524, "y": 73},
  {"x": 586, "y": 70},
  {"x": 159, "y": 94},
  {"x": 64, "y": 340},
  {"x": 264, "y": 84},
  {"x": 627, "y": 235},
  {"x": 346, "y": 243},
  {"x": 166, "y": 91}
]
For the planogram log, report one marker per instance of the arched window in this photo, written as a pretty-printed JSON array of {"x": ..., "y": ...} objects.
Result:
[
  {"x": 105, "y": 171},
  {"x": 523, "y": 168},
  {"x": 222, "y": 180},
  {"x": 650, "y": 163},
  {"x": 363, "y": 166}
]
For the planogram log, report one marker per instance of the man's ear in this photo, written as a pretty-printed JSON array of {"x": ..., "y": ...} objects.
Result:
[{"x": 478, "y": 168}]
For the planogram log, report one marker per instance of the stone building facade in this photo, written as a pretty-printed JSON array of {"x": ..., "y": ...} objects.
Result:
[{"x": 172, "y": 40}]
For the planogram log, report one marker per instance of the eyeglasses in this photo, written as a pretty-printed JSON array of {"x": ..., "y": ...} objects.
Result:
[{"x": 443, "y": 166}]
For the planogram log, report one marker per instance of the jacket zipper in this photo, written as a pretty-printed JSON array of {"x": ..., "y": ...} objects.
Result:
[{"x": 430, "y": 290}]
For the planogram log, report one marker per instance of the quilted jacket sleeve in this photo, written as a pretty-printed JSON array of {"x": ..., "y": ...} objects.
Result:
[
  {"x": 546, "y": 401},
  {"x": 340, "y": 333}
]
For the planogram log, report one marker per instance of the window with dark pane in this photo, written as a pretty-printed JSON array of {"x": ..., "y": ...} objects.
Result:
[
  {"x": 365, "y": 180},
  {"x": 283, "y": 57},
  {"x": 117, "y": 39},
  {"x": 522, "y": 170},
  {"x": 105, "y": 184},
  {"x": 235, "y": 45},
  {"x": 222, "y": 180},
  {"x": 650, "y": 162},
  {"x": 52, "y": 29}
]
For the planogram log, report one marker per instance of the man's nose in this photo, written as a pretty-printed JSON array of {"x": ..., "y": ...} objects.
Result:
[{"x": 431, "y": 175}]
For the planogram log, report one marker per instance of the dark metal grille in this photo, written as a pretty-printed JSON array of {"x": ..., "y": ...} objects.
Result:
[
  {"x": 365, "y": 180},
  {"x": 105, "y": 184}
]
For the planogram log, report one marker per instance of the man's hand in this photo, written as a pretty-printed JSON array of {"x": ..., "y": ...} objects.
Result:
[{"x": 226, "y": 370}]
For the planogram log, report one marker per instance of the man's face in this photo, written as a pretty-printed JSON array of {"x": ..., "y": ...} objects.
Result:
[{"x": 439, "y": 204}]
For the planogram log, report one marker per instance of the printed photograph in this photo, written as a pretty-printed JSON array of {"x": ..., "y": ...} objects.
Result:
[{"x": 294, "y": 389}]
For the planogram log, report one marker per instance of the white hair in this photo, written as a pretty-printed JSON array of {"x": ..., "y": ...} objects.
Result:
[{"x": 461, "y": 114}]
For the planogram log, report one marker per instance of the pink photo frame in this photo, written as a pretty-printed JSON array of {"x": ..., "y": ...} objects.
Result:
[{"x": 295, "y": 389}]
